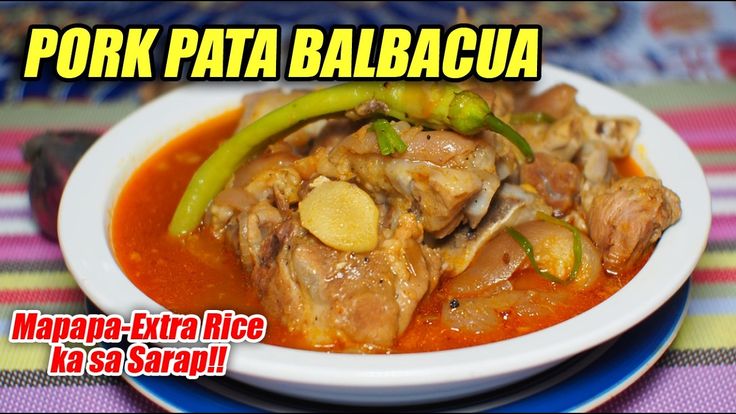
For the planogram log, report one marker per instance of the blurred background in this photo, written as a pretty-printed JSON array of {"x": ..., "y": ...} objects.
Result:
[{"x": 677, "y": 58}]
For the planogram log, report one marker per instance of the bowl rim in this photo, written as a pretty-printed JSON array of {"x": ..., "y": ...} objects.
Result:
[{"x": 92, "y": 188}]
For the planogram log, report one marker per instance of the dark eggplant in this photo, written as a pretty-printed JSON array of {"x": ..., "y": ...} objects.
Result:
[{"x": 52, "y": 156}]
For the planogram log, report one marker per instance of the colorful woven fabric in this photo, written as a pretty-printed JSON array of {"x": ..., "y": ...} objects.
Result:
[{"x": 698, "y": 373}]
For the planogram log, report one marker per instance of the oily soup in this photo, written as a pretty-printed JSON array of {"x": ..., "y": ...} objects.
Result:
[{"x": 199, "y": 272}]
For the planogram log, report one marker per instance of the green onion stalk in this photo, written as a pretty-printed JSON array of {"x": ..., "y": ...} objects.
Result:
[
  {"x": 389, "y": 141},
  {"x": 577, "y": 249},
  {"x": 435, "y": 105}
]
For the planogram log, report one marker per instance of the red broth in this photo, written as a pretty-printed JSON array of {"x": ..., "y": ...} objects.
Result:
[{"x": 200, "y": 273}]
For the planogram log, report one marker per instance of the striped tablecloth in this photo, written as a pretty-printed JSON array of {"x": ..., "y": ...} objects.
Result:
[{"x": 697, "y": 374}]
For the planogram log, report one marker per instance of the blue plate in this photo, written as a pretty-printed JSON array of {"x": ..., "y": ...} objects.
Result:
[{"x": 579, "y": 384}]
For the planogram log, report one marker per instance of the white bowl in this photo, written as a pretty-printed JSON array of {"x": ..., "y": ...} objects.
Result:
[{"x": 383, "y": 379}]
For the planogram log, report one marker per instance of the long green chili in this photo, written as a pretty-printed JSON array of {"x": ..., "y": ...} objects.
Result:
[
  {"x": 438, "y": 105},
  {"x": 497, "y": 125},
  {"x": 469, "y": 114},
  {"x": 577, "y": 249}
]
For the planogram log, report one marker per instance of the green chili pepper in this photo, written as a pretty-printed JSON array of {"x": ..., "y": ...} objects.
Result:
[
  {"x": 389, "y": 141},
  {"x": 497, "y": 125},
  {"x": 531, "y": 118},
  {"x": 437, "y": 105},
  {"x": 469, "y": 114}
]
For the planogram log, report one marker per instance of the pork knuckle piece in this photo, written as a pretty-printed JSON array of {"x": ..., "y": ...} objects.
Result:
[{"x": 628, "y": 218}]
